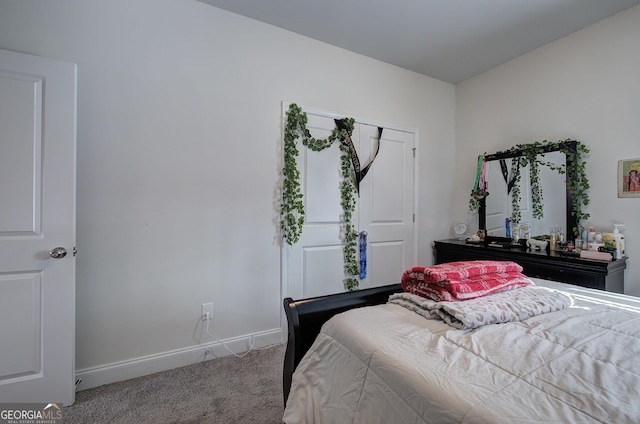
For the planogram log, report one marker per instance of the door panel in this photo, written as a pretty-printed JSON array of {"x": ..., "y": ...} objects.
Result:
[
  {"x": 386, "y": 205},
  {"x": 21, "y": 126},
  {"x": 323, "y": 273},
  {"x": 386, "y": 262},
  {"x": 320, "y": 176},
  {"x": 386, "y": 183},
  {"x": 37, "y": 213},
  {"x": 20, "y": 299},
  {"x": 315, "y": 265}
]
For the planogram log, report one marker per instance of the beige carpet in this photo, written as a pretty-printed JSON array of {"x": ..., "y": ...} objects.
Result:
[{"x": 225, "y": 390}]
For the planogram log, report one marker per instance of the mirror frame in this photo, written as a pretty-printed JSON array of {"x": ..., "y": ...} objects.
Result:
[{"x": 571, "y": 221}]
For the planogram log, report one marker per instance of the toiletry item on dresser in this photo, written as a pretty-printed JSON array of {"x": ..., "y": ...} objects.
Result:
[
  {"x": 595, "y": 247},
  {"x": 591, "y": 238},
  {"x": 579, "y": 245},
  {"x": 607, "y": 240},
  {"x": 561, "y": 242},
  {"x": 591, "y": 235},
  {"x": 553, "y": 239},
  {"x": 614, "y": 241},
  {"x": 618, "y": 239}
]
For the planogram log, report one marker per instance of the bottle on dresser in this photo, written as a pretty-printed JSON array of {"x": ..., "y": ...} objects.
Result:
[
  {"x": 615, "y": 240},
  {"x": 618, "y": 239}
]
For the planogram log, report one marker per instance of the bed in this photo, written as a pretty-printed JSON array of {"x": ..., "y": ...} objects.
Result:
[{"x": 355, "y": 358}]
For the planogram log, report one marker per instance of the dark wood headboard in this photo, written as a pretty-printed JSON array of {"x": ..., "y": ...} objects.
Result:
[{"x": 306, "y": 316}]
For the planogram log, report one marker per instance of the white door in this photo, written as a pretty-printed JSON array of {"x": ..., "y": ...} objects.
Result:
[
  {"x": 385, "y": 206},
  {"x": 499, "y": 202},
  {"x": 37, "y": 214},
  {"x": 385, "y": 210}
]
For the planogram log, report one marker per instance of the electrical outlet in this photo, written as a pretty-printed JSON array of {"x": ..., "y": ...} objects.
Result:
[{"x": 206, "y": 308}]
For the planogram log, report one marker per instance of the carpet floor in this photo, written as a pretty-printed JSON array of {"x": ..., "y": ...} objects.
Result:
[{"x": 224, "y": 390}]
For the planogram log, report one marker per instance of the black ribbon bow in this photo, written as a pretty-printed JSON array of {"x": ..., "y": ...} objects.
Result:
[{"x": 355, "y": 161}]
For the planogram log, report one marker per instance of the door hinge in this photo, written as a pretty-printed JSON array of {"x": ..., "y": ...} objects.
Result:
[
  {"x": 414, "y": 152},
  {"x": 74, "y": 251},
  {"x": 414, "y": 220}
]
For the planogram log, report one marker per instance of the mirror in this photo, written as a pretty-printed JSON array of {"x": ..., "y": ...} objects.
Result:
[
  {"x": 498, "y": 204},
  {"x": 557, "y": 205}
]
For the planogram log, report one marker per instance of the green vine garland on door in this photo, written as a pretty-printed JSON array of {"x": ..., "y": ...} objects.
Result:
[
  {"x": 533, "y": 154},
  {"x": 292, "y": 207}
]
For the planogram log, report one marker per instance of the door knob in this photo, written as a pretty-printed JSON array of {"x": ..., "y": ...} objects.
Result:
[{"x": 58, "y": 253}]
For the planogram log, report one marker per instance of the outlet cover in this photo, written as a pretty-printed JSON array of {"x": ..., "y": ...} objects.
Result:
[{"x": 204, "y": 309}]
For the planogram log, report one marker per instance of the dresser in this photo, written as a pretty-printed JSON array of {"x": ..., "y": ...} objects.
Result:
[{"x": 593, "y": 274}]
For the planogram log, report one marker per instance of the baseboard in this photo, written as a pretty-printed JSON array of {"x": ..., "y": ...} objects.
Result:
[{"x": 105, "y": 374}]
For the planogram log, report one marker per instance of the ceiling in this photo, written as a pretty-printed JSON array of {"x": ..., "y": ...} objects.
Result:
[{"x": 451, "y": 40}]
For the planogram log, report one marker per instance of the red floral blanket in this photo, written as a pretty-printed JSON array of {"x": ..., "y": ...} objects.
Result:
[{"x": 463, "y": 280}]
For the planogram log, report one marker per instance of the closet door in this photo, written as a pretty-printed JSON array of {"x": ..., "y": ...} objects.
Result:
[
  {"x": 315, "y": 265},
  {"x": 498, "y": 203},
  {"x": 385, "y": 206}
]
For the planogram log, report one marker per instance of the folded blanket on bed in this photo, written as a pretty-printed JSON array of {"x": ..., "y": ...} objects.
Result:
[
  {"x": 461, "y": 269},
  {"x": 512, "y": 305},
  {"x": 467, "y": 288},
  {"x": 463, "y": 279}
]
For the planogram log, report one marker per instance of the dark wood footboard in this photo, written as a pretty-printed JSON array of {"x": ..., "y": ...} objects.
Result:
[{"x": 306, "y": 316}]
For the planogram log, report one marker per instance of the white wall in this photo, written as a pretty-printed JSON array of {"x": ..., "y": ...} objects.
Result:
[
  {"x": 179, "y": 132},
  {"x": 585, "y": 86}
]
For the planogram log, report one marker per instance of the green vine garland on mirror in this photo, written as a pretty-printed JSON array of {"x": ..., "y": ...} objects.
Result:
[
  {"x": 292, "y": 207},
  {"x": 579, "y": 184},
  {"x": 533, "y": 154}
]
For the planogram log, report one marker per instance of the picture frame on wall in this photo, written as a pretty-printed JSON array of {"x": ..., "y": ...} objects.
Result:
[{"x": 629, "y": 178}]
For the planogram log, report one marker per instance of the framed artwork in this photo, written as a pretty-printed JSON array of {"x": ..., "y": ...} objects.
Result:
[{"x": 629, "y": 178}]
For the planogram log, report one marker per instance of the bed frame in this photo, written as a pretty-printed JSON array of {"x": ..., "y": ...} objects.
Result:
[{"x": 306, "y": 316}]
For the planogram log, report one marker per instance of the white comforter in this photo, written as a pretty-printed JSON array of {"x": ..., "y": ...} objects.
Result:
[
  {"x": 387, "y": 364},
  {"x": 507, "y": 306}
]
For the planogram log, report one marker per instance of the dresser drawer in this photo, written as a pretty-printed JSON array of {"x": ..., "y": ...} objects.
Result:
[{"x": 564, "y": 275}]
